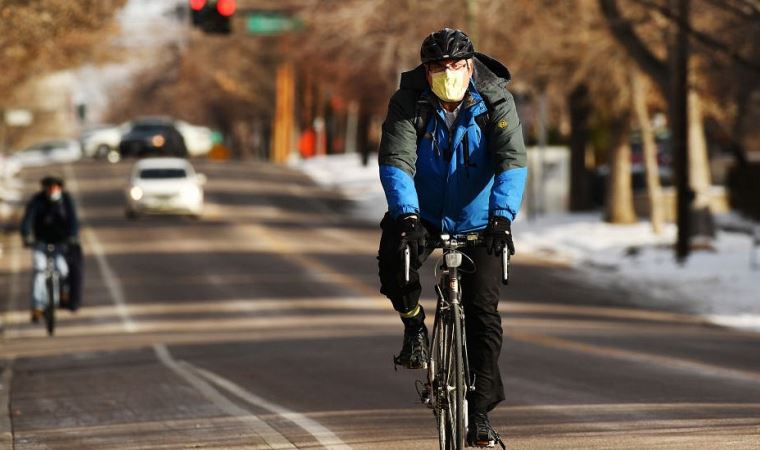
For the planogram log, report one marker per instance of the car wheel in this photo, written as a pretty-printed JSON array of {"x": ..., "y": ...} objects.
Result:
[
  {"x": 102, "y": 151},
  {"x": 113, "y": 156}
]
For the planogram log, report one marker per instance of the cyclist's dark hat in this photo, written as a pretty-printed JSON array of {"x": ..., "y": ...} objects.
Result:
[
  {"x": 51, "y": 180},
  {"x": 446, "y": 44}
]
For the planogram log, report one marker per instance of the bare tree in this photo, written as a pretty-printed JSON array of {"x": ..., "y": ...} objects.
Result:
[
  {"x": 38, "y": 36},
  {"x": 723, "y": 33},
  {"x": 649, "y": 149}
]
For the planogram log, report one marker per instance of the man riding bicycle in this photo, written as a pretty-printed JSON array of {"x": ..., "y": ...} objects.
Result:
[
  {"x": 452, "y": 160},
  {"x": 50, "y": 218}
]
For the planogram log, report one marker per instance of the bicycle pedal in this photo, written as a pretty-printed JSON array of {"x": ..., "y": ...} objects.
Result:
[{"x": 423, "y": 391}]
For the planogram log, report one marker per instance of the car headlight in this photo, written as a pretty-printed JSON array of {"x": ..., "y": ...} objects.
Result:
[{"x": 136, "y": 193}]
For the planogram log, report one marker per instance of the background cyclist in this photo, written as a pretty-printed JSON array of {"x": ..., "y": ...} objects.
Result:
[{"x": 50, "y": 218}]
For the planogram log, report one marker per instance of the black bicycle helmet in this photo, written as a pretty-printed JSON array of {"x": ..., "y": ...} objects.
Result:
[
  {"x": 446, "y": 44},
  {"x": 51, "y": 180}
]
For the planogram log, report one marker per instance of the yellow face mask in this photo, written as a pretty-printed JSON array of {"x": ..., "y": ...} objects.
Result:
[{"x": 449, "y": 85}]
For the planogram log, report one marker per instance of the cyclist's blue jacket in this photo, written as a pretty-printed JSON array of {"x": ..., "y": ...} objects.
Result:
[{"x": 454, "y": 179}]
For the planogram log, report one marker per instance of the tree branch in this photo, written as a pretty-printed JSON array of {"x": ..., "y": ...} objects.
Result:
[
  {"x": 623, "y": 32},
  {"x": 703, "y": 38},
  {"x": 745, "y": 11}
]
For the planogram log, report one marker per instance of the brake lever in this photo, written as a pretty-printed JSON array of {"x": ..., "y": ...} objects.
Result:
[
  {"x": 407, "y": 262},
  {"x": 505, "y": 265}
]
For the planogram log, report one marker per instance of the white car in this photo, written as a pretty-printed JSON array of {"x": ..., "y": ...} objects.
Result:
[
  {"x": 197, "y": 138},
  {"x": 164, "y": 186},
  {"x": 103, "y": 142},
  {"x": 48, "y": 152}
]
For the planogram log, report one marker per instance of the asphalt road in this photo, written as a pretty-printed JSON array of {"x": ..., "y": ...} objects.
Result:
[{"x": 260, "y": 326}]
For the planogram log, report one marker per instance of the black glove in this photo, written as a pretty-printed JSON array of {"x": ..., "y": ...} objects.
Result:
[
  {"x": 498, "y": 234},
  {"x": 27, "y": 241},
  {"x": 411, "y": 233}
]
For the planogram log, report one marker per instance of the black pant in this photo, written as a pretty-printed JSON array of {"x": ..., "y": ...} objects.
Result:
[{"x": 480, "y": 299}]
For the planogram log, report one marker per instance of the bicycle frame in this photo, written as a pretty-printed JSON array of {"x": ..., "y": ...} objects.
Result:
[
  {"x": 53, "y": 287},
  {"x": 448, "y": 346}
]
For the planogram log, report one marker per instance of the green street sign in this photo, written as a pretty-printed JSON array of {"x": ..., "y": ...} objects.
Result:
[{"x": 271, "y": 23}]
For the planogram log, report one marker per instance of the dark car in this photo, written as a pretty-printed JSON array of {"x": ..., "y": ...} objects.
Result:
[{"x": 152, "y": 138}]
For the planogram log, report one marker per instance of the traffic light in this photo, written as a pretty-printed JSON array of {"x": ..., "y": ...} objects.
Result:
[{"x": 213, "y": 16}]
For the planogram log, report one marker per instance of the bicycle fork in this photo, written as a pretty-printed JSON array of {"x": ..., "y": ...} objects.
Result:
[{"x": 425, "y": 390}]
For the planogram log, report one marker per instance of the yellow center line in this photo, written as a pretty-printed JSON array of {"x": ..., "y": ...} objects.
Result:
[{"x": 699, "y": 367}]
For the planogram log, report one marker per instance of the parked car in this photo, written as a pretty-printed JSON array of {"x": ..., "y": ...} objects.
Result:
[
  {"x": 197, "y": 138},
  {"x": 152, "y": 137},
  {"x": 48, "y": 152},
  {"x": 164, "y": 186},
  {"x": 103, "y": 141},
  {"x": 9, "y": 167}
]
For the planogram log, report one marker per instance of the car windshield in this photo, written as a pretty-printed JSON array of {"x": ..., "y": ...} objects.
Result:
[
  {"x": 153, "y": 174},
  {"x": 150, "y": 128}
]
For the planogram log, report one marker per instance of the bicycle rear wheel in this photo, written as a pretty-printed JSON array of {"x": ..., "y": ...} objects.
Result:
[{"x": 52, "y": 291}]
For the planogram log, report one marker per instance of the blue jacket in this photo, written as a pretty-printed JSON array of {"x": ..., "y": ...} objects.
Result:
[{"x": 454, "y": 179}]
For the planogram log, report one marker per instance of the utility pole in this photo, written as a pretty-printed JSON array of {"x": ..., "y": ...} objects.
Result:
[
  {"x": 679, "y": 66},
  {"x": 282, "y": 141}
]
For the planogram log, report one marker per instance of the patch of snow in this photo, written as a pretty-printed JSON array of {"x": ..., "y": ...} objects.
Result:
[{"x": 722, "y": 283}]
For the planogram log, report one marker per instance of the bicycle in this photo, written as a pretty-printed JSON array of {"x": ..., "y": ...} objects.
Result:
[
  {"x": 53, "y": 287},
  {"x": 448, "y": 373}
]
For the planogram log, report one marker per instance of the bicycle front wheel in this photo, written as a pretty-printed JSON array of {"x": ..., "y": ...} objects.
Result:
[
  {"x": 460, "y": 388},
  {"x": 438, "y": 371},
  {"x": 447, "y": 379}
]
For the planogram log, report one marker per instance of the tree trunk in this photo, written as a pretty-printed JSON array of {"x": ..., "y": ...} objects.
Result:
[
  {"x": 619, "y": 207},
  {"x": 649, "y": 148},
  {"x": 363, "y": 130},
  {"x": 241, "y": 136},
  {"x": 579, "y": 106},
  {"x": 699, "y": 161},
  {"x": 700, "y": 180}
]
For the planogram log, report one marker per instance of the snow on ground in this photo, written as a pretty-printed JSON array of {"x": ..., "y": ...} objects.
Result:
[{"x": 721, "y": 283}]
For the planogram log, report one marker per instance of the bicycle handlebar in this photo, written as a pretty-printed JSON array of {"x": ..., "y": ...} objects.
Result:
[
  {"x": 453, "y": 242},
  {"x": 50, "y": 248}
]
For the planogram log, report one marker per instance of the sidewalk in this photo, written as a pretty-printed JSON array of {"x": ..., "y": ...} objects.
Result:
[{"x": 721, "y": 284}]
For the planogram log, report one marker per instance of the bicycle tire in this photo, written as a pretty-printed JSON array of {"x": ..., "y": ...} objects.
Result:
[
  {"x": 50, "y": 307},
  {"x": 459, "y": 378},
  {"x": 437, "y": 366},
  {"x": 447, "y": 378}
]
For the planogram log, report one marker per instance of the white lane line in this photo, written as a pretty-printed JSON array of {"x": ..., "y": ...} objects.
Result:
[
  {"x": 6, "y": 424},
  {"x": 270, "y": 435},
  {"x": 112, "y": 282},
  {"x": 273, "y": 438},
  {"x": 325, "y": 437},
  {"x": 13, "y": 291}
]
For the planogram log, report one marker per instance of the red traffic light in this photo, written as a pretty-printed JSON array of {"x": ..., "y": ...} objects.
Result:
[
  {"x": 197, "y": 5},
  {"x": 226, "y": 7}
]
